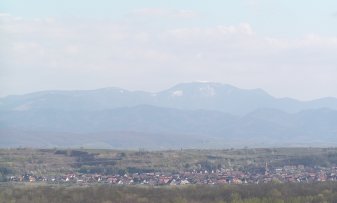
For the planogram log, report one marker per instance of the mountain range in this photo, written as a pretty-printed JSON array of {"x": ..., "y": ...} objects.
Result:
[{"x": 188, "y": 115}]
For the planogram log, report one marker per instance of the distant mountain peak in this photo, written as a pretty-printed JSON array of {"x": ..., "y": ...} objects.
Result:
[
  {"x": 201, "y": 86},
  {"x": 188, "y": 95},
  {"x": 111, "y": 89}
]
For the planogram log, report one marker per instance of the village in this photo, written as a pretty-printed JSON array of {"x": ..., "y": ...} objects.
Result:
[{"x": 285, "y": 174}]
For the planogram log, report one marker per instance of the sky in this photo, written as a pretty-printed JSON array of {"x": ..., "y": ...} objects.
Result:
[{"x": 288, "y": 48}]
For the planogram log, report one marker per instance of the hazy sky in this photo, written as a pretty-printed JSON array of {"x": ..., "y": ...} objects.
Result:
[{"x": 288, "y": 48}]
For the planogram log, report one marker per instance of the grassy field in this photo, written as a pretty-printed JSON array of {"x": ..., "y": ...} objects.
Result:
[
  {"x": 62, "y": 161},
  {"x": 53, "y": 161}
]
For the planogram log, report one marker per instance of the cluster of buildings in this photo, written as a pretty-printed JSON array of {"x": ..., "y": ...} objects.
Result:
[{"x": 283, "y": 174}]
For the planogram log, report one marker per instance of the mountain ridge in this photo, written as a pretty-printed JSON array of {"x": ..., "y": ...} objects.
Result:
[
  {"x": 191, "y": 96},
  {"x": 185, "y": 115}
]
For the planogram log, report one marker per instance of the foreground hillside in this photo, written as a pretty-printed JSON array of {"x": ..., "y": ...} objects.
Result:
[{"x": 266, "y": 193}]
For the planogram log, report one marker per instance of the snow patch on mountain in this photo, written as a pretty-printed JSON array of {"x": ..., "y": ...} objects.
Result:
[
  {"x": 177, "y": 93},
  {"x": 207, "y": 91}
]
